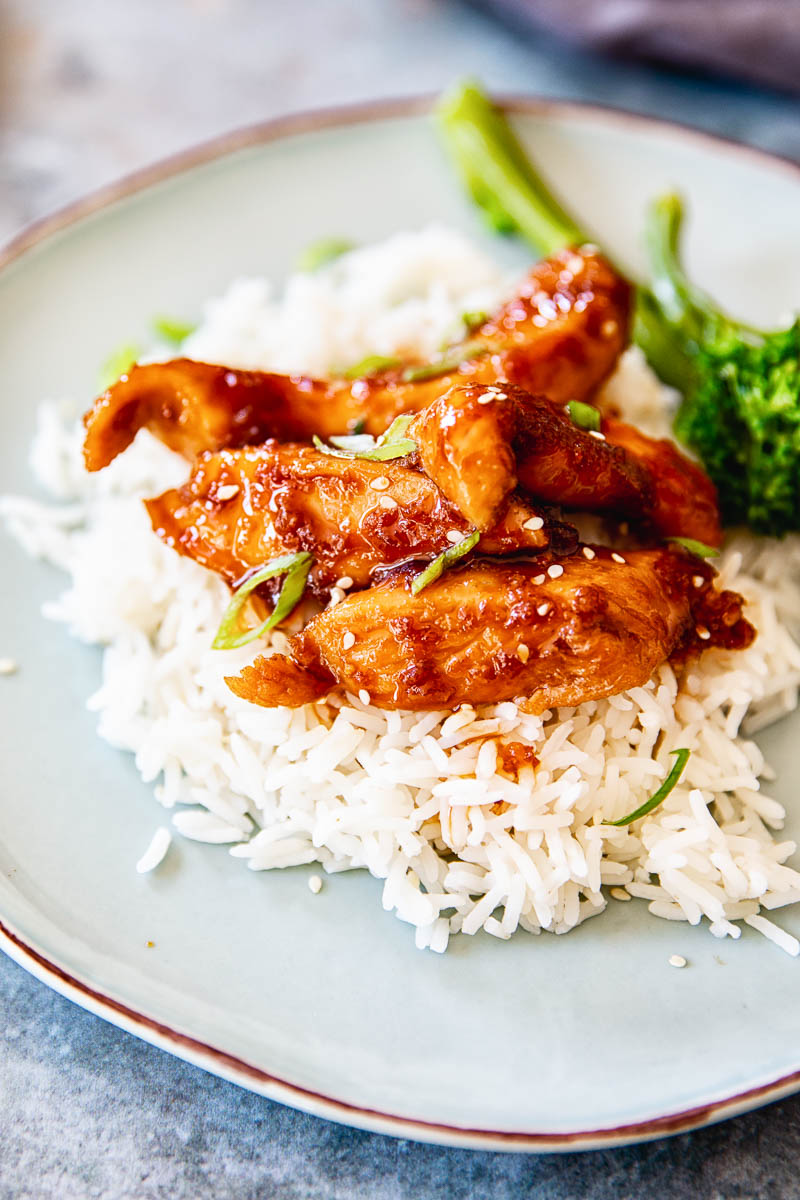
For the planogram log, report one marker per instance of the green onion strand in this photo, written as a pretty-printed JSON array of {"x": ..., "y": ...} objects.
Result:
[
  {"x": 462, "y": 353},
  {"x": 373, "y": 364},
  {"x": 445, "y": 560},
  {"x": 474, "y": 320},
  {"x": 681, "y": 759},
  {"x": 323, "y": 252},
  {"x": 585, "y": 416},
  {"x": 295, "y": 567},
  {"x": 699, "y": 549},
  {"x": 391, "y": 444},
  {"x": 172, "y": 330},
  {"x": 119, "y": 362}
]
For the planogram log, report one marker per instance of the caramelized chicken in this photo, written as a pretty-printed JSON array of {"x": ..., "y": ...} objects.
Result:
[
  {"x": 560, "y": 336},
  {"x": 240, "y": 508},
  {"x": 479, "y": 442},
  {"x": 557, "y": 634}
]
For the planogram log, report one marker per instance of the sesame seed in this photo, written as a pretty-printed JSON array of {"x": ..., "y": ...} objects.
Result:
[
  {"x": 574, "y": 264},
  {"x": 609, "y": 328},
  {"x": 555, "y": 570},
  {"x": 454, "y": 536},
  {"x": 698, "y": 580},
  {"x": 589, "y": 248},
  {"x": 539, "y": 578},
  {"x": 703, "y": 633},
  {"x": 620, "y": 893},
  {"x": 677, "y": 960},
  {"x": 380, "y": 483},
  {"x": 227, "y": 491},
  {"x": 533, "y": 523},
  {"x": 315, "y": 884},
  {"x": 523, "y": 653},
  {"x": 337, "y": 595},
  {"x": 543, "y": 610},
  {"x": 8, "y": 666},
  {"x": 387, "y": 502},
  {"x": 617, "y": 557},
  {"x": 486, "y": 398},
  {"x": 595, "y": 433},
  {"x": 364, "y": 696},
  {"x": 589, "y": 553},
  {"x": 345, "y": 582},
  {"x": 348, "y": 640},
  {"x": 501, "y": 395}
]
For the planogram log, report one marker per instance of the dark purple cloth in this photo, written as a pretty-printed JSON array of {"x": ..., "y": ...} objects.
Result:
[{"x": 755, "y": 39}]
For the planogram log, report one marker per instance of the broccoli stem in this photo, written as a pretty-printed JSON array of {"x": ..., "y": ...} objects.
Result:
[
  {"x": 498, "y": 174},
  {"x": 514, "y": 198},
  {"x": 686, "y": 307}
]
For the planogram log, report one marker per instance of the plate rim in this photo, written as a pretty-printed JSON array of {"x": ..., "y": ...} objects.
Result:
[{"x": 184, "y": 1045}]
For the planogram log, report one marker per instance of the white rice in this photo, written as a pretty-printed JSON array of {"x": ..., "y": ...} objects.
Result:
[
  {"x": 417, "y": 799},
  {"x": 155, "y": 852}
]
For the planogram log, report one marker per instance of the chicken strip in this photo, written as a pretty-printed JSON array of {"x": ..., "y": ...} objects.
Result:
[
  {"x": 241, "y": 508},
  {"x": 556, "y": 634},
  {"x": 560, "y": 335},
  {"x": 479, "y": 442}
]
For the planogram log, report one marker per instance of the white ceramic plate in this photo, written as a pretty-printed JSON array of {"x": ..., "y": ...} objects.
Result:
[{"x": 322, "y": 1001}]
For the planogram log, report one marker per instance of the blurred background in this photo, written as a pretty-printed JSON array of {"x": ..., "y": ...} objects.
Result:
[{"x": 92, "y": 89}]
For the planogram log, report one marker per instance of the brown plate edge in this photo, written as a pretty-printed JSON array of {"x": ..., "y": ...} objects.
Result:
[
  {"x": 181, "y": 1044},
  {"x": 313, "y": 120},
  {"x": 255, "y": 1079}
]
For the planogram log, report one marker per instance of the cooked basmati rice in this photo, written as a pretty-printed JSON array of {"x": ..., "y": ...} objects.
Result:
[
  {"x": 417, "y": 798},
  {"x": 155, "y": 852}
]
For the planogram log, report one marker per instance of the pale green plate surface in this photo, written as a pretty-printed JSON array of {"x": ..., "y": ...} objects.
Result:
[{"x": 323, "y": 1001}]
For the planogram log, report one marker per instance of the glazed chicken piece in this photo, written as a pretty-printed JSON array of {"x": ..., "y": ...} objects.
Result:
[
  {"x": 555, "y": 633},
  {"x": 560, "y": 336},
  {"x": 479, "y": 442},
  {"x": 241, "y": 508}
]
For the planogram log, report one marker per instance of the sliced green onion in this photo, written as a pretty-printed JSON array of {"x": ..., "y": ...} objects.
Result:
[
  {"x": 448, "y": 362},
  {"x": 398, "y": 428},
  {"x": 391, "y": 444},
  {"x": 171, "y": 330},
  {"x": 473, "y": 320},
  {"x": 295, "y": 567},
  {"x": 698, "y": 548},
  {"x": 681, "y": 759},
  {"x": 373, "y": 364},
  {"x": 439, "y": 565},
  {"x": 118, "y": 363},
  {"x": 355, "y": 443},
  {"x": 322, "y": 252},
  {"x": 585, "y": 416},
  {"x": 342, "y": 452}
]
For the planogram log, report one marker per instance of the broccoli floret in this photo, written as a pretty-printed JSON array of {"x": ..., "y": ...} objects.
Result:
[{"x": 741, "y": 405}]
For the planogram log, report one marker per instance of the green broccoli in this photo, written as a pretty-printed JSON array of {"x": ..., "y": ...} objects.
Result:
[
  {"x": 741, "y": 387},
  {"x": 741, "y": 406}
]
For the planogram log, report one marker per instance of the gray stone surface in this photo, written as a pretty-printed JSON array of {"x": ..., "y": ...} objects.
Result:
[{"x": 90, "y": 89}]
